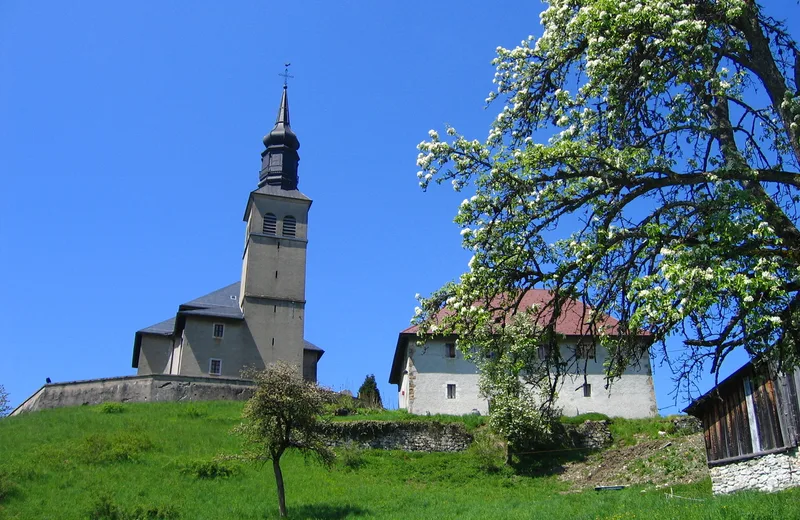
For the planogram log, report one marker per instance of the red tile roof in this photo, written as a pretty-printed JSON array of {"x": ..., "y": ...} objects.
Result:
[{"x": 574, "y": 314}]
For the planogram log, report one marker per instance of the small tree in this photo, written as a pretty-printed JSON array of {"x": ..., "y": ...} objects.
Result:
[
  {"x": 283, "y": 413},
  {"x": 4, "y": 406},
  {"x": 369, "y": 394}
]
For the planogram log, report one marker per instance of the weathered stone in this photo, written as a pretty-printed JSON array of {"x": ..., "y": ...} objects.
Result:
[
  {"x": 137, "y": 389},
  {"x": 427, "y": 436},
  {"x": 687, "y": 424},
  {"x": 592, "y": 435},
  {"x": 773, "y": 472}
]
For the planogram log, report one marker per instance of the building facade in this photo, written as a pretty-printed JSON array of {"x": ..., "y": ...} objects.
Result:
[
  {"x": 435, "y": 378},
  {"x": 259, "y": 319}
]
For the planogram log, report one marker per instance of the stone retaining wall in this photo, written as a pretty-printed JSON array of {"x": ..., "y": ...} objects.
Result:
[
  {"x": 401, "y": 435},
  {"x": 157, "y": 387},
  {"x": 593, "y": 435},
  {"x": 773, "y": 472}
]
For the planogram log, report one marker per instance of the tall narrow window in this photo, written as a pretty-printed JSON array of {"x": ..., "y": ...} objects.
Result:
[
  {"x": 451, "y": 391},
  {"x": 585, "y": 351},
  {"x": 587, "y": 390},
  {"x": 219, "y": 330},
  {"x": 289, "y": 226},
  {"x": 215, "y": 367},
  {"x": 543, "y": 350},
  {"x": 450, "y": 350},
  {"x": 270, "y": 224}
]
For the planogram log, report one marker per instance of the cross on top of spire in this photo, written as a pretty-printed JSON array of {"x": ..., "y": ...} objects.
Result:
[{"x": 286, "y": 74}]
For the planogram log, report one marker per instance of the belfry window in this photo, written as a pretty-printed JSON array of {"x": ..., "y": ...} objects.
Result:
[
  {"x": 289, "y": 226},
  {"x": 270, "y": 224}
]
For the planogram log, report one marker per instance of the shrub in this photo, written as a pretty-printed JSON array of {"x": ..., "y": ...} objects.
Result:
[
  {"x": 352, "y": 456},
  {"x": 195, "y": 412},
  {"x": 111, "y": 408},
  {"x": 105, "y": 509},
  {"x": 488, "y": 450},
  {"x": 118, "y": 447},
  {"x": 209, "y": 469},
  {"x": 7, "y": 486}
]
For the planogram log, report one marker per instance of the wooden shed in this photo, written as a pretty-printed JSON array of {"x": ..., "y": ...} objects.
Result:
[{"x": 753, "y": 412}]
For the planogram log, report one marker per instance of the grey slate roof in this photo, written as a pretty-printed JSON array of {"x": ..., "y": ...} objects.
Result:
[
  {"x": 165, "y": 328},
  {"x": 217, "y": 304},
  {"x": 307, "y": 345},
  {"x": 268, "y": 189},
  {"x": 222, "y": 302}
]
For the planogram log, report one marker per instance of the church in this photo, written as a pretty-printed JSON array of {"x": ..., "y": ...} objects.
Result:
[{"x": 259, "y": 319}]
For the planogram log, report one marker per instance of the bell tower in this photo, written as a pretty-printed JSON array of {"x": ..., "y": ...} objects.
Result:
[{"x": 274, "y": 262}]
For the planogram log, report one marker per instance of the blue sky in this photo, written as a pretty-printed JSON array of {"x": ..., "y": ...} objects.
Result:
[{"x": 130, "y": 136}]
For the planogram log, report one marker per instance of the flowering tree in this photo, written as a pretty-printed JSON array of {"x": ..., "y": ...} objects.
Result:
[
  {"x": 664, "y": 134},
  {"x": 283, "y": 413}
]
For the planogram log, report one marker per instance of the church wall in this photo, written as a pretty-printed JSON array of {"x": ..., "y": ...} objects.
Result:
[
  {"x": 277, "y": 328},
  {"x": 268, "y": 255},
  {"x": 632, "y": 396},
  {"x": 280, "y": 207},
  {"x": 310, "y": 365},
  {"x": 236, "y": 349},
  {"x": 154, "y": 354}
]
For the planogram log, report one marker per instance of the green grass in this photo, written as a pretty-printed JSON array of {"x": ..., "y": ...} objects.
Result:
[
  {"x": 471, "y": 422},
  {"x": 160, "y": 460}
]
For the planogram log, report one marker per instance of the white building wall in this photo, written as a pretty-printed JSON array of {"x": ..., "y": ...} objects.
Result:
[{"x": 430, "y": 371}]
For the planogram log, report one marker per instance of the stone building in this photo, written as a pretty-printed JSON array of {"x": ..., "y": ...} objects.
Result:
[
  {"x": 259, "y": 319},
  {"x": 435, "y": 377}
]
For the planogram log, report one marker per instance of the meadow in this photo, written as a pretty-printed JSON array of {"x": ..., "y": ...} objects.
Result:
[{"x": 173, "y": 460}]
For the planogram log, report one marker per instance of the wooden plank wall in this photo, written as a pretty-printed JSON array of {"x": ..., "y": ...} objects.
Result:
[{"x": 776, "y": 412}]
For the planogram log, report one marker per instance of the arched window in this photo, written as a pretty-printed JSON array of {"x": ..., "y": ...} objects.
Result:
[
  {"x": 289, "y": 226},
  {"x": 270, "y": 224}
]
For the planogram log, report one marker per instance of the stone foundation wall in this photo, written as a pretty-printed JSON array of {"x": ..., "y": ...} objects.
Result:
[
  {"x": 773, "y": 472},
  {"x": 408, "y": 435},
  {"x": 136, "y": 389},
  {"x": 592, "y": 435}
]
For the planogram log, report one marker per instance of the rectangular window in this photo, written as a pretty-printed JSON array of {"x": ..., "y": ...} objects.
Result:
[
  {"x": 543, "y": 352},
  {"x": 585, "y": 351},
  {"x": 219, "y": 330},
  {"x": 587, "y": 390},
  {"x": 450, "y": 350},
  {"x": 451, "y": 391},
  {"x": 215, "y": 367}
]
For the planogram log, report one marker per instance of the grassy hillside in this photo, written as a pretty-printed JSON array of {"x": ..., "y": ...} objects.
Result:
[{"x": 157, "y": 461}]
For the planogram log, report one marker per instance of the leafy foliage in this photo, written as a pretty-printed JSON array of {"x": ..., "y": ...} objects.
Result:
[
  {"x": 665, "y": 134},
  {"x": 111, "y": 408},
  {"x": 369, "y": 393},
  {"x": 209, "y": 469},
  {"x": 284, "y": 413}
]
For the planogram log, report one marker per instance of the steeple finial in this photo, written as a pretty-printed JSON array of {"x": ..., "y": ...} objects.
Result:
[
  {"x": 280, "y": 158},
  {"x": 286, "y": 75}
]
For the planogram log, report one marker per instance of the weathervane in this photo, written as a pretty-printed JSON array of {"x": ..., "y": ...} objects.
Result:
[{"x": 286, "y": 74}]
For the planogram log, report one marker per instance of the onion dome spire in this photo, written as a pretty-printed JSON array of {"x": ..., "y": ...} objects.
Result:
[{"x": 280, "y": 159}]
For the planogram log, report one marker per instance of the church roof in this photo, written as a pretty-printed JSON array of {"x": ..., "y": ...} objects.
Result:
[
  {"x": 164, "y": 328},
  {"x": 222, "y": 303},
  {"x": 269, "y": 189},
  {"x": 223, "y": 300}
]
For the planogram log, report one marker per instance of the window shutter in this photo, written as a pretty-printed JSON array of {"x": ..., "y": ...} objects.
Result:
[
  {"x": 289, "y": 226},
  {"x": 270, "y": 224}
]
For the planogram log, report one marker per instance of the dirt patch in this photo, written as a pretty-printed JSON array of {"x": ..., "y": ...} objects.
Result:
[{"x": 662, "y": 462}]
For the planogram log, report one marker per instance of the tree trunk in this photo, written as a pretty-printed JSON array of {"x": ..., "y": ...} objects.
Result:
[{"x": 276, "y": 467}]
